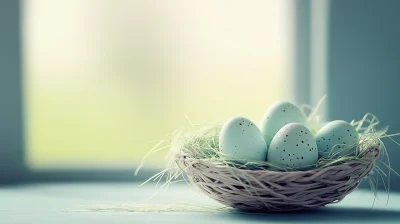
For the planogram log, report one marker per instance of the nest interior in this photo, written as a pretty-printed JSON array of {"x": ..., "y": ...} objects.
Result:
[{"x": 267, "y": 190}]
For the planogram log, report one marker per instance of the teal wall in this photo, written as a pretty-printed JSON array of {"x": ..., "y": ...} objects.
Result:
[
  {"x": 11, "y": 134},
  {"x": 364, "y": 65}
]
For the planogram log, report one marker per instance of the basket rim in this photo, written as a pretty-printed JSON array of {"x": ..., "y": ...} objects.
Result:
[{"x": 365, "y": 157}]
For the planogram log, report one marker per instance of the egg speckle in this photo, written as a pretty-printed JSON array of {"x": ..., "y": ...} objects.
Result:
[
  {"x": 293, "y": 147},
  {"x": 337, "y": 138},
  {"x": 278, "y": 115},
  {"x": 241, "y": 139}
]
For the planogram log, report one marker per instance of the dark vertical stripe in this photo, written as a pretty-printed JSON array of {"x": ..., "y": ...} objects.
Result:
[{"x": 11, "y": 125}]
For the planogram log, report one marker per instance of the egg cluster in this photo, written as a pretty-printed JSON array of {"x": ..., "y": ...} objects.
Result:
[{"x": 284, "y": 140}]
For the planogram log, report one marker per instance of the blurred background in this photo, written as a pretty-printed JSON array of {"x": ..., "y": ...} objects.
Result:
[
  {"x": 105, "y": 81},
  {"x": 91, "y": 85}
]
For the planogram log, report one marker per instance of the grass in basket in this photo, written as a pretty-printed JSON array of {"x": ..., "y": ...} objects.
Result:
[{"x": 200, "y": 141}]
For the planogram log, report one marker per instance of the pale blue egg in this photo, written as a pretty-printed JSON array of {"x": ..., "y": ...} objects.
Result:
[
  {"x": 241, "y": 139},
  {"x": 293, "y": 146},
  {"x": 337, "y": 138},
  {"x": 278, "y": 115}
]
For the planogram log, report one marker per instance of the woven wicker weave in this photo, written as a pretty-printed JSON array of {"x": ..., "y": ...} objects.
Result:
[{"x": 268, "y": 191}]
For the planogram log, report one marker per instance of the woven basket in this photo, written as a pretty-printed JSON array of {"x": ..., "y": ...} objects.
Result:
[{"x": 273, "y": 191}]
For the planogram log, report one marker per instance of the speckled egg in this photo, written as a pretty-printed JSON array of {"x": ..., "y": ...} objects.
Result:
[
  {"x": 241, "y": 139},
  {"x": 337, "y": 138},
  {"x": 278, "y": 115},
  {"x": 293, "y": 146}
]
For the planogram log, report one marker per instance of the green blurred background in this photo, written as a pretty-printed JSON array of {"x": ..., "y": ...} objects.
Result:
[{"x": 104, "y": 82}]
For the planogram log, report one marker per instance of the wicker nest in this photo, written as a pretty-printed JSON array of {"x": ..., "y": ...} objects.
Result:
[{"x": 274, "y": 191}]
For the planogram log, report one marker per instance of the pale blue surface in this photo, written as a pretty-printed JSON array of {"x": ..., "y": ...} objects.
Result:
[{"x": 70, "y": 203}]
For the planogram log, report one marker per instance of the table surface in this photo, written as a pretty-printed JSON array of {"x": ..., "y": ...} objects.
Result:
[{"x": 119, "y": 203}]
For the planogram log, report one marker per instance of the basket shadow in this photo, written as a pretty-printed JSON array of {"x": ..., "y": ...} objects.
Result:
[{"x": 322, "y": 215}]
